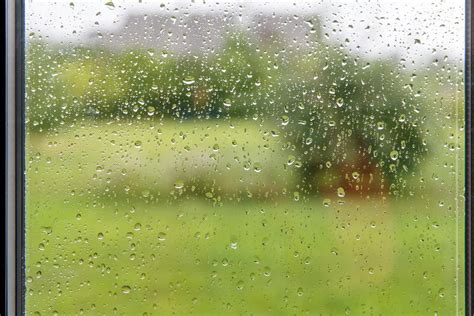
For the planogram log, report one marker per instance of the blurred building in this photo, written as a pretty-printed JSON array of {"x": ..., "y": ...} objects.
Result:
[{"x": 205, "y": 33}]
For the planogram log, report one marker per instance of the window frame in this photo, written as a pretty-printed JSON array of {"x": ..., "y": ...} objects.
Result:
[
  {"x": 14, "y": 157},
  {"x": 468, "y": 91},
  {"x": 14, "y": 165}
]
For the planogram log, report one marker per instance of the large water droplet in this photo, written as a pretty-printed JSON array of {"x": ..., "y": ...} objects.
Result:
[
  {"x": 341, "y": 192},
  {"x": 179, "y": 184},
  {"x": 126, "y": 289},
  {"x": 188, "y": 80},
  {"x": 394, "y": 155},
  {"x": 110, "y": 5}
]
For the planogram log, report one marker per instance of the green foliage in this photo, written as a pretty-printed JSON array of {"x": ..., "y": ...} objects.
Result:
[
  {"x": 347, "y": 112},
  {"x": 330, "y": 106}
]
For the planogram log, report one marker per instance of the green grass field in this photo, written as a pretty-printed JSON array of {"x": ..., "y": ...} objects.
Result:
[{"x": 110, "y": 232}]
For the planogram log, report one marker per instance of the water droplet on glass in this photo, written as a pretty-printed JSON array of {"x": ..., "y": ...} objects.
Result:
[
  {"x": 257, "y": 167},
  {"x": 110, "y": 5},
  {"x": 150, "y": 52},
  {"x": 296, "y": 196},
  {"x": 188, "y": 80},
  {"x": 150, "y": 110},
  {"x": 394, "y": 155},
  {"x": 267, "y": 271},
  {"x": 441, "y": 292},
  {"x": 300, "y": 291},
  {"x": 291, "y": 159},
  {"x": 126, "y": 289},
  {"x": 179, "y": 184},
  {"x": 162, "y": 236},
  {"x": 341, "y": 192}
]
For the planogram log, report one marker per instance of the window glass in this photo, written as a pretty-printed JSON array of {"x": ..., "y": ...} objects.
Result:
[{"x": 244, "y": 157}]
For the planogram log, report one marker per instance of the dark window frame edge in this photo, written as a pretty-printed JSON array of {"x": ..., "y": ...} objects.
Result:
[
  {"x": 468, "y": 158},
  {"x": 14, "y": 156}
]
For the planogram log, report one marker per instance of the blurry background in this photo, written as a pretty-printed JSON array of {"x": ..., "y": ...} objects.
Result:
[{"x": 198, "y": 157}]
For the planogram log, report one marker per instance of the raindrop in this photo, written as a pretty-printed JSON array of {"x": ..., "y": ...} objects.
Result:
[
  {"x": 291, "y": 159},
  {"x": 394, "y": 155},
  {"x": 188, "y": 80},
  {"x": 161, "y": 236},
  {"x": 126, "y": 289},
  {"x": 441, "y": 292},
  {"x": 300, "y": 291},
  {"x": 227, "y": 103},
  {"x": 257, "y": 167},
  {"x": 296, "y": 196},
  {"x": 267, "y": 272},
  {"x": 179, "y": 184},
  {"x": 110, "y": 5},
  {"x": 285, "y": 120},
  {"x": 341, "y": 192},
  {"x": 150, "y": 52},
  {"x": 150, "y": 110}
]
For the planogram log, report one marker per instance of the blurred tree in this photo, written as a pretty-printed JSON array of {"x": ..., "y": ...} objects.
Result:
[{"x": 345, "y": 122}]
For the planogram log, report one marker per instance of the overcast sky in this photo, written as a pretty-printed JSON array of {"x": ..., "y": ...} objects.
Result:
[{"x": 412, "y": 29}]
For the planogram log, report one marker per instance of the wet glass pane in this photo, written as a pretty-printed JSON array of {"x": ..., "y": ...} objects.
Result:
[{"x": 244, "y": 157}]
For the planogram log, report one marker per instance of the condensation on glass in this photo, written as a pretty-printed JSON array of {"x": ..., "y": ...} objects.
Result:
[{"x": 244, "y": 157}]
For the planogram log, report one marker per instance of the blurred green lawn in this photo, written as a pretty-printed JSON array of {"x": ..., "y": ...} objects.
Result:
[{"x": 101, "y": 240}]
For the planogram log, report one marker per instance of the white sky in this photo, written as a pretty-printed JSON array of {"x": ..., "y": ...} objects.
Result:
[{"x": 393, "y": 26}]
